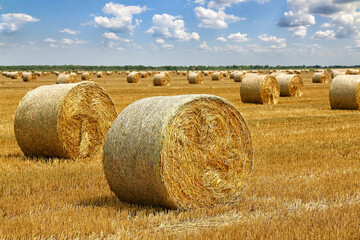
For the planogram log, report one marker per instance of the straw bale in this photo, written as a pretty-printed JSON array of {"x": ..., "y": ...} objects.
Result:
[
  {"x": 144, "y": 74},
  {"x": 66, "y": 78},
  {"x": 217, "y": 76},
  {"x": 179, "y": 152},
  {"x": 239, "y": 76},
  {"x": 39, "y": 74},
  {"x": 275, "y": 74},
  {"x": 100, "y": 74},
  {"x": 71, "y": 123},
  {"x": 134, "y": 77},
  {"x": 291, "y": 85},
  {"x": 232, "y": 75},
  {"x": 162, "y": 79},
  {"x": 321, "y": 77},
  {"x": 345, "y": 92},
  {"x": 85, "y": 76},
  {"x": 225, "y": 73},
  {"x": 195, "y": 78},
  {"x": 28, "y": 76},
  {"x": 14, "y": 75},
  {"x": 262, "y": 89},
  {"x": 206, "y": 73}
]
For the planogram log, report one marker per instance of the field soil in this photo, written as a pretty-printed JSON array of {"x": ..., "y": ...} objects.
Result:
[{"x": 305, "y": 182}]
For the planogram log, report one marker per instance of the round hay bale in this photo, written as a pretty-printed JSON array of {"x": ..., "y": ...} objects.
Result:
[
  {"x": 144, "y": 74},
  {"x": 206, "y": 73},
  {"x": 28, "y": 77},
  {"x": 134, "y": 77},
  {"x": 66, "y": 78},
  {"x": 162, "y": 79},
  {"x": 196, "y": 78},
  {"x": 239, "y": 76},
  {"x": 71, "y": 123},
  {"x": 39, "y": 74},
  {"x": 232, "y": 75},
  {"x": 100, "y": 74},
  {"x": 217, "y": 76},
  {"x": 320, "y": 77},
  {"x": 291, "y": 85},
  {"x": 262, "y": 89},
  {"x": 179, "y": 152},
  {"x": 345, "y": 92},
  {"x": 225, "y": 73},
  {"x": 85, "y": 76},
  {"x": 14, "y": 75}
]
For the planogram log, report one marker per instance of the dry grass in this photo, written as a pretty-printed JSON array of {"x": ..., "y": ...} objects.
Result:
[{"x": 305, "y": 182}]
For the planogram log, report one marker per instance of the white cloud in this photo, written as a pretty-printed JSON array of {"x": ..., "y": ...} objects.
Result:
[
  {"x": 223, "y": 3},
  {"x": 201, "y": 2},
  {"x": 123, "y": 17},
  {"x": 221, "y": 39},
  {"x": 256, "y": 48},
  {"x": 210, "y": 18},
  {"x": 70, "y": 42},
  {"x": 171, "y": 27},
  {"x": 69, "y": 31},
  {"x": 114, "y": 37},
  {"x": 296, "y": 19},
  {"x": 53, "y": 45},
  {"x": 167, "y": 46},
  {"x": 11, "y": 22},
  {"x": 0, "y": 7},
  {"x": 203, "y": 46},
  {"x": 120, "y": 49},
  {"x": 160, "y": 41},
  {"x": 50, "y": 40},
  {"x": 235, "y": 48},
  {"x": 326, "y": 25},
  {"x": 328, "y": 34},
  {"x": 344, "y": 19},
  {"x": 278, "y": 42},
  {"x": 238, "y": 37},
  {"x": 31, "y": 43},
  {"x": 300, "y": 31}
]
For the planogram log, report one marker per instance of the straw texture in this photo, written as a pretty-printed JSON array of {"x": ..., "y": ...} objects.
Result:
[
  {"x": 345, "y": 92},
  {"x": 321, "y": 77},
  {"x": 291, "y": 85},
  {"x": 262, "y": 89},
  {"x": 195, "y": 78},
  {"x": 28, "y": 77},
  {"x": 239, "y": 76},
  {"x": 71, "y": 123},
  {"x": 217, "y": 76},
  {"x": 66, "y": 78},
  {"x": 162, "y": 79},
  {"x": 85, "y": 76},
  {"x": 182, "y": 152}
]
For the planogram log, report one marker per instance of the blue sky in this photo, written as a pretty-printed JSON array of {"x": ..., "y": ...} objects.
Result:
[{"x": 180, "y": 32}]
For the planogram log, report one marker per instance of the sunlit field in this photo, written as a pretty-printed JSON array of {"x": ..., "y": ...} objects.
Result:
[{"x": 305, "y": 182}]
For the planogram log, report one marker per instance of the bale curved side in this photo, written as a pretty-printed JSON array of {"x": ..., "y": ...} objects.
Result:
[
  {"x": 179, "y": 152},
  {"x": 345, "y": 92},
  {"x": 217, "y": 76},
  {"x": 71, "y": 123},
  {"x": 161, "y": 79},
  {"x": 239, "y": 76},
  {"x": 85, "y": 76},
  {"x": 28, "y": 77},
  {"x": 66, "y": 78},
  {"x": 262, "y": 89},
  {"x": 195, "y": 78},
  {"x": 291, "y": 85},
  {"x": 133, "y": 77}
]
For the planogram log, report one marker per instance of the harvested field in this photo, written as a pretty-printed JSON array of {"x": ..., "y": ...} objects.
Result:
[{"x": 305, "y": 182}]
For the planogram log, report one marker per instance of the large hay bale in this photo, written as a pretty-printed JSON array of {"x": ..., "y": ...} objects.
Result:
[
  {"x": 262, "y": 89},
  {"x": 320, "y": 77},
  {"x": 291, "y": 85},
  {"x": 28, "y": 76},
  {"x": 100, "y": 74},
  {"x": 133, "y": 77},
  {"x": 144, "y": 74},
  {"x": 66, "y": 78},
  {"x": 181, "y": 152},
  {"x": 161, "y": 79},
  {"x": 196, "y": 78},
  {"x": 345, "y": 92},
  {"x": 217, "y": 76},
  {"x": 239, "y": 76},
  {"x": 85, "y": 76},
  {"x": 71, "y": 123}
]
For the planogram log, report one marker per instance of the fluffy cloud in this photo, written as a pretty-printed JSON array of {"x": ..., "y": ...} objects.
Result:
[
  {"x": 201, "y": 2},
  {"x": 221, "y": 39},
  {"x": 122, "y": 20},
  {"x": 69, "y": 31},
  {"x": 50, "y": 40},
  {"x": 238, "y": 37},
  {"x": 160, "y": 41},
  {"x": 203, "y": 46},
  {"x": 11, "y": 22},
  {"x": 296, "y": 19},
  {"x": 171, "y": 27},
  {"x": 299, "y": 32},
  {"x": 276, "y": 42},
  {"x": 328, "y": 34},
  {"x": 228, "y": 3},
  {"x": 210, "y": 18},
  {"x": 70, "y": 42},
  {"x": 114, "y": 37}
]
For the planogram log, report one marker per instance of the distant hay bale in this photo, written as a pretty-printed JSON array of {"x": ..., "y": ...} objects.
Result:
[
  {"x": 134, "y": 77},
  {"x": 144, "y": 74},
  {"x": 196, "y": 78},
  {"x": 321, "y": 77},
  {"x": 85, "y": 76},
  {"x": 239, "y": 76},
  {"x": 206, "y": 73},
  {"x": 262, "y": 89},
  {"x": 225, "y": 73},
  {"x": 179, "y": 152},
  {"x": 291, "y": 85},
  {"x": 232, "y": 75},
  {"x": 71, "y": 123},
  {"x": 161, "y": 79},
  {"x": 28, "y": 77},
  {"x": 66, "y": 78},
  {"x": 275, "y": 74},
  {"x": 345, "y": 92},
  {"x": 110, "y": 73},
  {"x": 39, "y": 74},
  {"x": 100, "y": 74},
  {"x": 217, "y": 76},
  {"x": 14, "y": 75}
]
